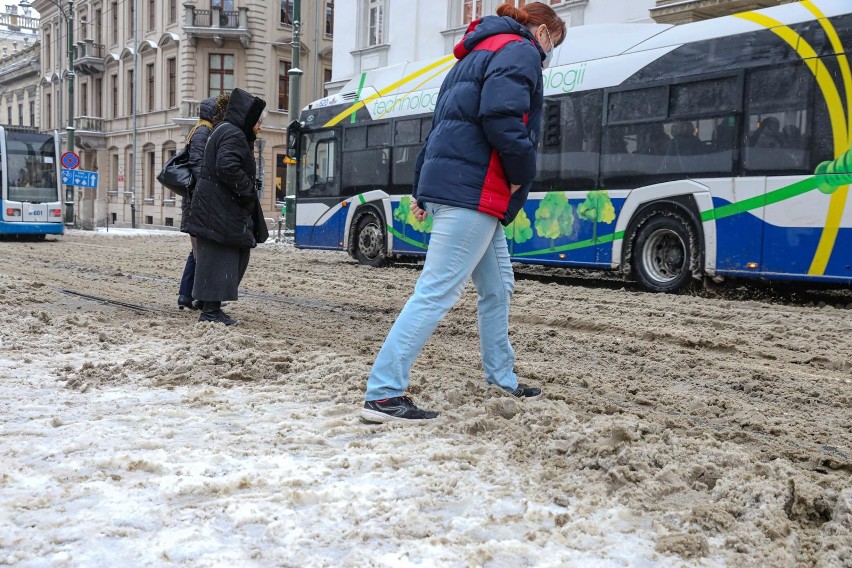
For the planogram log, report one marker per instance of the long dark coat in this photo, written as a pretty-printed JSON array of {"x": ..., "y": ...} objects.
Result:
[
  {"x": 197, "y": 142},
  {"x": 225, "y": 193}
]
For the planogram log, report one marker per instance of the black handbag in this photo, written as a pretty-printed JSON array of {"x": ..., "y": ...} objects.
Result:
[{"x": 177, "y": 175}]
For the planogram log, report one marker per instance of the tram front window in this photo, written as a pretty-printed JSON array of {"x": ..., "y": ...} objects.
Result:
[{"x": 31, "y": 167}]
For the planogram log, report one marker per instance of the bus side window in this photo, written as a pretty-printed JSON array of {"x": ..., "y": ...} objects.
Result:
[
  {"x": 366, "y": 159},
  {"x": 779, "y": 111},
  {"x": 408, "y": 140}
]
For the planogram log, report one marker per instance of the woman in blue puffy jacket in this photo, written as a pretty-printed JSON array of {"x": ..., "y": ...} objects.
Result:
[{"x": 473, "y": 174}]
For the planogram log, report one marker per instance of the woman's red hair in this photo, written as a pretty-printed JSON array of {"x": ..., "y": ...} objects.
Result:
[{"x": 535, "y": 14}]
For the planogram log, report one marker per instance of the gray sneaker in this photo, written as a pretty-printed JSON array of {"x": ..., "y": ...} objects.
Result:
[
  {"x": 523, "y": 391},
  {"x": 398, "y": 408}
]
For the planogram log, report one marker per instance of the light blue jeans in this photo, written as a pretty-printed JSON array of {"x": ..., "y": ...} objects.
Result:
[{"x": 464, "y": 244}]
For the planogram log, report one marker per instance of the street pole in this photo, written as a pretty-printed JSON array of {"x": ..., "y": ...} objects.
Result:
[
  {"x": 69, "y": 190},
  {"x": 293, "y": 112},
  {"x": 133, "y": 111}
]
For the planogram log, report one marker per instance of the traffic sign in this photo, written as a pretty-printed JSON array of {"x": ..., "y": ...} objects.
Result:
[
  {"x": 70, "y": 160},
  {"x": 80, "y": 178}
]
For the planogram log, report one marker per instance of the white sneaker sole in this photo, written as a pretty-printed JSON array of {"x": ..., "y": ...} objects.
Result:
[
  {"x": 510, "y": 395},
  {"x": 377, "y": 417}
]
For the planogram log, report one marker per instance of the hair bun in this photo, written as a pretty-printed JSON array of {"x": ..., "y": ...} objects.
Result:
[{"x": 517, "y": 14}]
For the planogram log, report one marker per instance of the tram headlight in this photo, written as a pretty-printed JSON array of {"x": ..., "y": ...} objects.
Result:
[{"x": 12, "y": 212}]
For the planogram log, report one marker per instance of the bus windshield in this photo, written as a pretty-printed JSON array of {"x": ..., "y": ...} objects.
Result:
[
  {"x": 31, "y": 167},
  {"x": 317, "y": 165}
]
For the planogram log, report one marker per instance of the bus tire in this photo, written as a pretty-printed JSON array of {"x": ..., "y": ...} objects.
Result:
[
  {"x": 666, "y": 251},
  {"x": 370, "y": 245}
]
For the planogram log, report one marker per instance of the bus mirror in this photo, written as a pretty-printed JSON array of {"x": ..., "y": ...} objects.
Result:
[{"x": 294, "y": 132}]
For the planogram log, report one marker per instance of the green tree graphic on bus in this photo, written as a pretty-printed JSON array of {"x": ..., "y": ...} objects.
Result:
[
  {"x": 554, "y": 217},
  {"x": 597, "y": 208},
  {"x": 401, "y": 212},
  {"x": 519, "y": 230},
  {"x": 424, "y": 227}
]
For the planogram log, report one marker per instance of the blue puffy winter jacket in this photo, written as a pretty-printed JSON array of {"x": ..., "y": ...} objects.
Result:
[{"x": 487, "y": 122}]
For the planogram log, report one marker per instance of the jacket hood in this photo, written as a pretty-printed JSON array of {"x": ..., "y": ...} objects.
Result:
[
  {"x": 208, "y": 109},
  {"x": 489, "y": 26},
  {"x": 244, "y": 111}
]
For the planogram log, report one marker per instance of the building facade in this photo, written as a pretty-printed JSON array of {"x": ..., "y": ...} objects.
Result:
[
  {"x": 377, "y": 33},
  {"x": 140, "y": 70},
  {"x": 19, "y": 67}
]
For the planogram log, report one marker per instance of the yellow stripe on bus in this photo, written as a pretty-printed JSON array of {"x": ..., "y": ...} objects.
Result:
[
  {"x": 842, "y": 60},
  {"x": 360, "y": 104},
  {"x": 417, "y": 86},
  {"x": 839, "y": 128}
]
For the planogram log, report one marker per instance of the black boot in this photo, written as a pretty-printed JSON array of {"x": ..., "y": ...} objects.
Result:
[
  {"x": 212, "y": 312},
  {"x": 186, "y": 302}
]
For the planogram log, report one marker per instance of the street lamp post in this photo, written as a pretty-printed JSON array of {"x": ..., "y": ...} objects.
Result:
[
  {"x": 69, "y": 129},
  {"x": 69, "y": 190},
  {"x": 293, "y": 110}
]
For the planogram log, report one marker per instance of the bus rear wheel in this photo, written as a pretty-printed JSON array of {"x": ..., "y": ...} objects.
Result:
[
  {"x": 666, "y": 251},
  {"x": 370, "y": 247}
]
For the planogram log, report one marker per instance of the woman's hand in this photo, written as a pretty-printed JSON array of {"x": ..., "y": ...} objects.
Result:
[
  {"x": 514, "y": 187},
  {"x": 419, "y": 214}
]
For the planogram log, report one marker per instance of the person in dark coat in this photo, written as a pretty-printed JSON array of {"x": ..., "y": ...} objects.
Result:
[
  {"x": 474, "y": 173},
  {"x": 210, "y": 113},
  {"x": 223, "y": 204}
]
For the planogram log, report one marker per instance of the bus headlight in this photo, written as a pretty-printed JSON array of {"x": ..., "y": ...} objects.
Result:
[{"x": 12, "y": 212}]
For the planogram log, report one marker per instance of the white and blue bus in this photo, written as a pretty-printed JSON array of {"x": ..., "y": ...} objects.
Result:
[
  {"x": 717, "y": 148},
  {"x": 31, "y": 198}
]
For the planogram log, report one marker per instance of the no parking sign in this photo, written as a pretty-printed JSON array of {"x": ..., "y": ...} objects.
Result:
[{"x": 70, "y": 160}]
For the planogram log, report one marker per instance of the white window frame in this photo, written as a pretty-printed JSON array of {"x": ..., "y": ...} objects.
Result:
[{"x": 375, "y": 34}]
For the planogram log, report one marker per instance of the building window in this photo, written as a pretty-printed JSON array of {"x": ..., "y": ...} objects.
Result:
[
  {"x": 150, "y": 175},
  {"x": 287, "y": 12},
  {"x": 172, "y": 11},
  {"x": 114, "y": 30},
  {"x": 131, "y": 108},
  {"x": 172, "y": 65},
  {"x": 48, "y": 111},
  {"x": 149, "y": 219},
  {"x": 283, "y": 85},
  {"x": 99, "y": 28},
  {"x": 326, "y": 77},
  {"x": 375, "y": 22},
  {"x": 329, "y": 17},
  {"x": 32, "y": 113},
  {"x": 99, "y": 107},
  {"x": 471, "y": 10},
  {"x": 131, "y": 22},
  {"x": 152, "y": 14},
  {"x": 47, "y": 47},
  {"x": 221, "y": 74},
  {"x": 9, "y": 115},
  {"x": 84, "y": 99},
  {"x": 113, "y": 173},
  {"x": 21, "y": 114},
  {"x": 149, "y": 69},
  {"x": 170, "y": 221},
  {"x": 115, "y": 96}
]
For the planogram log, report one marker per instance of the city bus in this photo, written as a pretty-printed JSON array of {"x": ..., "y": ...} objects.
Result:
[
  {"x": 31, "y": 198},
  {"x": 716, "y": 149}
]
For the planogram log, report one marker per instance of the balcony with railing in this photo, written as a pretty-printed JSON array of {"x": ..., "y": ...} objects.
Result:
[
  {"x": 89, "y": 132},
  {"x": 89, "y": 59},
  {"x": 216, "y": 24},
  {"x": 16, "y": 23},
  {"x": 684, "y": 11}
]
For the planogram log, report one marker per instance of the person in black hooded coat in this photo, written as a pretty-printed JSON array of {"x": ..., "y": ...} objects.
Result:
[
  {"x": 210, "y": 113},
  {"x": 223, "y": 204}
]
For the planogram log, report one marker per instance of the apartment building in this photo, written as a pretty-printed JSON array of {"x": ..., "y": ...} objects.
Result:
[
  {"x": 19, "y": 67},
  {"x": 141, "y": 69}
]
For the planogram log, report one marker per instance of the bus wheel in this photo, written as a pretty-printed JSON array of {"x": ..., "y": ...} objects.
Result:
[
  {"x": 370, "y": 240},
  {"x": 665, "y": 251}
]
